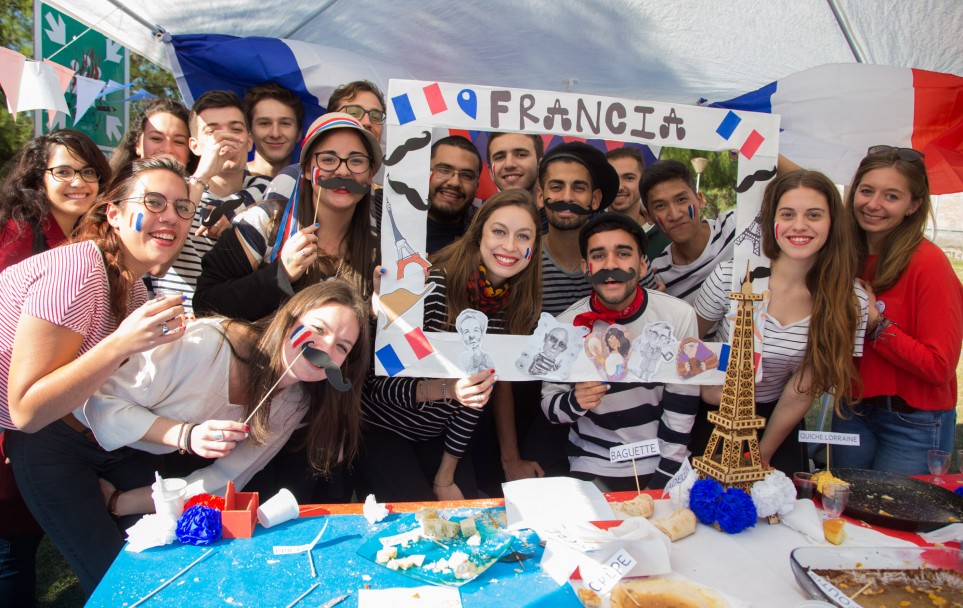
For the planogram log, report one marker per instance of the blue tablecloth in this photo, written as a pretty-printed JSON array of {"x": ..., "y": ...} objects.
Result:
[{"x": 245, "y": 572}]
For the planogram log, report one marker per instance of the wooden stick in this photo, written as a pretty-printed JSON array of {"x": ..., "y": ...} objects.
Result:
[
  {"x": 271, "y": 390},
  {"x": 300, "y": 597},
  {"x": 827, "y": 458},
  {"x": 865, "y": 587},
  {"x": 636, "y": 472},
  {"x": 317, "y": 201},
  {"x": 171, "y": 579},
  {"x": 314, "y": 573}
]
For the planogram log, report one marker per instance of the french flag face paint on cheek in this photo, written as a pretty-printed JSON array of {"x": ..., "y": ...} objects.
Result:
[
  {"x": 528, "y": 252},
  {"x": 775, "y": 229},
  {"x": 691, "y": 212},
  {"x": 299, "y": 335},
  {"x": 661, "y": 223},
  {"x": 137, "y": 221}
]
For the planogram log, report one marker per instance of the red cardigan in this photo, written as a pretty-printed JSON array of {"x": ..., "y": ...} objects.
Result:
[
  {"x": 15, "y": 248},
  {"x": 916, "y": 356}
]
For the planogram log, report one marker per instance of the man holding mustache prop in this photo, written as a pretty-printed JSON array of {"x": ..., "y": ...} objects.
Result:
[{"x": 600, "y": 415}]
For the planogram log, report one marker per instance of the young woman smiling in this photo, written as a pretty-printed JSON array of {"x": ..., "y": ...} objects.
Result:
[
  {"x": 55, "y": 179},
  {"x": 915, "y": 321},
  {"x": 263, "y": 261},
  {"x": 161, "y": 128},
  {"x": 815, "y": 316},
  {"x": 74, "y": 313},
  {"x": 417, "y": 430}
]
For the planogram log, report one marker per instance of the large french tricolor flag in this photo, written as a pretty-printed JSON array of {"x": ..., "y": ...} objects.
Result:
[
  {"x": 831, "y": 114},
  {"x": 207, "y": 62}
]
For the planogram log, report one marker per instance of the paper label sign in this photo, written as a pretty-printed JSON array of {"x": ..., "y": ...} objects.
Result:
[
  {"x": 289, "y": 549},
  {"x": 600, "y": 578},
  {"x": 680, "y": 476},
  {"x": 833, "y": 592},
  {"x": 401, "y": 539},
  {"x": 828, "y": 437},
  {"x": 631, "y": 451}
]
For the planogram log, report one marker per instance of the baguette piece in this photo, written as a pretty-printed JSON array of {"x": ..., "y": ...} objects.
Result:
[
  {"x": 677, "y": 524},
  {"x": 664, "y": 593},
  {"x": 640, "y": 506}
]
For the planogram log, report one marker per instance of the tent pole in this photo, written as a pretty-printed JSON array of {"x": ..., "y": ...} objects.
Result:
[
  {"x": 844, "y": 27},
  {"x": 305, "y": 21}
]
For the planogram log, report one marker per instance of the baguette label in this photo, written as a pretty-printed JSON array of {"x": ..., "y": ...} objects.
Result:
[{"x": 632, "y": 451}]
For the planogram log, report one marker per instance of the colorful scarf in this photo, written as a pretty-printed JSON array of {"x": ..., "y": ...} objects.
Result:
[{"x": 483, "y": 295}]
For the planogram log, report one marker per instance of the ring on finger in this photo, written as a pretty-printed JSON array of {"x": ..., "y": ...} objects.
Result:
[
  {"x": 304, "y": 253},
  {"x": 164, "y": 329},
  {"x": 219, "y": 436}
]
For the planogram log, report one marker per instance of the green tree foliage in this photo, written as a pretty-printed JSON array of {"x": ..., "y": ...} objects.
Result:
[{"x": 718, "y": 181}]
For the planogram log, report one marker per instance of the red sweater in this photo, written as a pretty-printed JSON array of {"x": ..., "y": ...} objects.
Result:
[
  {"x": 15, "y": 248},
  {"x": 916, "y": 356}
]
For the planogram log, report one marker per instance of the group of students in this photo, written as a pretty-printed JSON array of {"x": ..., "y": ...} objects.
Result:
[{"x": 102, "y": 384}]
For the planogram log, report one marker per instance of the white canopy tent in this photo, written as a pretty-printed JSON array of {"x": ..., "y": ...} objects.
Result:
[{"x": 679, "y": 51}]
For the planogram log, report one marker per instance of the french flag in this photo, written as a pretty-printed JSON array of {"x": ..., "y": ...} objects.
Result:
[
  {"x": 299, "y": 336},
  {"x": 832, "y": 113}
]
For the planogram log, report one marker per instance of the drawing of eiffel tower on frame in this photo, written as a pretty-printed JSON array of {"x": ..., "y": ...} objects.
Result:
[
  {"x": 736, "y": 421},
  {"x": 406, "y": 253},
  {"x": 752, "y": 233}
]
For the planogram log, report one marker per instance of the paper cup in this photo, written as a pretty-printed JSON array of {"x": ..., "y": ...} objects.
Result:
[
  {"x": 279, "y": 509},
  {"x": 169, "y": 497}
]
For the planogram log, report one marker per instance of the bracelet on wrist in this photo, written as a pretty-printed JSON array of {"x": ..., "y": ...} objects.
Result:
[
  {"x": 187, "y": 439},
  {"x": 881, "y": 324},
  {"x": 444, "y": 392},
  {"x": 180, "y": 438},
  {"x": 196, "y": 180},
  {"x": 112, "y": 503},
  {"x": 423, "y": 391}
]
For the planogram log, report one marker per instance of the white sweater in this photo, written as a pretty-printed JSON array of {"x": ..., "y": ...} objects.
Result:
[{"x": 186, "y": 381}]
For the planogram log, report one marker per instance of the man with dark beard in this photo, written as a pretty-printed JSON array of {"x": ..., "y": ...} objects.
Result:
[
  {"x": 455, "y": 169},
  {"x": 599, "y": 415}
]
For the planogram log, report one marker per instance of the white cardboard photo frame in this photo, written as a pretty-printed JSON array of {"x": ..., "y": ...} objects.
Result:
[{"x": 416, "y": 109}]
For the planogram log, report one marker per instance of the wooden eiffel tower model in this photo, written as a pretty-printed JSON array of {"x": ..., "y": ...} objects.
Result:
[{"x": 736, "y": 421}]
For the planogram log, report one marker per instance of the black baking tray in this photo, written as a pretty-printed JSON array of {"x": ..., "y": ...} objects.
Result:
[{"x": 916, "y": 506}]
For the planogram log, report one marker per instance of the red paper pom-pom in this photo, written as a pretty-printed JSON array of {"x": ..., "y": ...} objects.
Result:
[{"x": 205, "y": 500}]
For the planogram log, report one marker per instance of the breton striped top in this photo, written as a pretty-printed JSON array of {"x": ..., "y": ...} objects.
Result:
[
  {"x": 783, "y": 346},
  {"x": 391, "y": 403},
  {"x": 66, "y": 286},
  {"x": 182, "y": 276},
  {"x": 684, "y": 281}
]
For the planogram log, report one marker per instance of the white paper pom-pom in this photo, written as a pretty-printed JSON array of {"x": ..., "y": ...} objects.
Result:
[{"x": 774, "y": 494}]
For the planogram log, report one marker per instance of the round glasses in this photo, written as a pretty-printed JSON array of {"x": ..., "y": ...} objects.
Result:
[
  {"x": 65, "y": 173},
  {"x": 328, "y": 161},
  {"x": 157, "y": 202},
  {"x": 358, "y": 112},
  {"x": 907, "y": 154},
  {"x": 444, "y": 173}
]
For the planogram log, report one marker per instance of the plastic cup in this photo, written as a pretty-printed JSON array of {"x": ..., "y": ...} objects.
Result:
[
  {"x": 282, "y": 507},
  {"x": 834, "y": 498},
  {"x": 176, "y": 322},
  {"x": 805, "y": 486},
  {"x": 169, "y": 495}
]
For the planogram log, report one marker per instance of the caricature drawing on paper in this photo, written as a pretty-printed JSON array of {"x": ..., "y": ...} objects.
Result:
[
  {"x": 472, "y": 326},
  {"x": 551, "y": 349},
  {"x": 695, "y": 358},
  {"x": 653, "y": 347},
  {"x": 619, "y": 348}
]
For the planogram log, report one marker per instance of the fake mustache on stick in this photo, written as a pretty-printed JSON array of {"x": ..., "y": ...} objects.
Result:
[
  {"x": 331, "y": 370},
  {"x": 559, "y": 206},
  {"x": 616, "y": 274},
  {"x": 338, "y": 183}
]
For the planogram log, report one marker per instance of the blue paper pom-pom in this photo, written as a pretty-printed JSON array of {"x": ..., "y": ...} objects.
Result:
[
  {"x": 959, "y": 490},
  {"x": 704, "y": 499},
  {"x": 736, "y": 511},
  {"x": 199, "y": 525}
]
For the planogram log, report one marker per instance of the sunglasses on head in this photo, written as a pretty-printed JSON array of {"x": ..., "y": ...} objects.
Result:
[{"x": 907, "y": 154}]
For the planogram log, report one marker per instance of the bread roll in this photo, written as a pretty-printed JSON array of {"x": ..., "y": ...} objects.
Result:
[
  {"x": 640, "y": 506},
  {"x": 664, "y": 593},
  {"x": 834, "y": 530},
  {"x": 677, "y": 524}
]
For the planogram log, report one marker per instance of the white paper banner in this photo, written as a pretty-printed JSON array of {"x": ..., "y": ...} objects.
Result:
[
  {"x": 87, "y": 90},
  {"x": 40, "y": 89}
]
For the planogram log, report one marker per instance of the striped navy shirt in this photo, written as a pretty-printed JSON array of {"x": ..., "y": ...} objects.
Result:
[
  {"x": 66, "y": 286},
  {"x": 182, "y": 276},
  {"x": 391, "y": 403},
  {"x": 684, "y": 281},
  {"x": 783, "y": 346}
]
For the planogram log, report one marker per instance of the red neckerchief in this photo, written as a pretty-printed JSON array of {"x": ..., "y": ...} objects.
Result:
[{"x": 599, "y": 312}]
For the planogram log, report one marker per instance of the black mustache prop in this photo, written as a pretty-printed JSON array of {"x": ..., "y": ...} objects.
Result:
[
  {"x": 209, "y": 216},
  {"x": 752, "y": 178},
  {"x": 413, "y": 143},
  {"x": 409, "y": 193},
  {"x": 333, "y": 372},
  {"x": 616, "y": 274},
  {"x": 337, "y": 183},
  {"x": 558, "y": 206}
]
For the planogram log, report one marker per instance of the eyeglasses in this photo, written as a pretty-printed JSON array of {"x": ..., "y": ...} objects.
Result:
[
  {"x": 157, "y": 203},
  {"x": 356, "y": 163},
  {"x": 907, "y": 154},
  {"x": 64, "y": 173},
  {"x": 444, "y": 173},
  {"x": 376, "y": 116}
]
